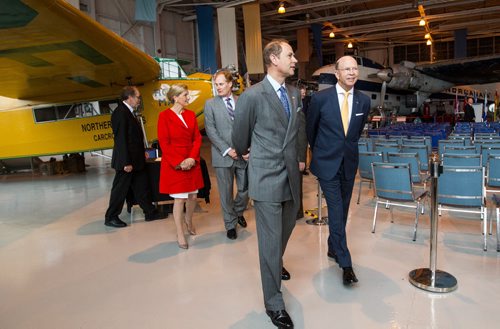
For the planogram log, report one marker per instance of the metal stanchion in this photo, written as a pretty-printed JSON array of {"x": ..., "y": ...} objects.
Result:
[
  {"x": 320, "y": 220},
  {"x": 431, "y": 279}
]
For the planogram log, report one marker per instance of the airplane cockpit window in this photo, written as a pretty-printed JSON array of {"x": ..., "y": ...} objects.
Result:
[
  {"x": 73, "y": 111},
  {"x": 170, "y": 69}
]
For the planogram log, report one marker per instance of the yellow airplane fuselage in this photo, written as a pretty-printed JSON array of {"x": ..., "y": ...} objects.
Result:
[{"x": 23, "y": 137}]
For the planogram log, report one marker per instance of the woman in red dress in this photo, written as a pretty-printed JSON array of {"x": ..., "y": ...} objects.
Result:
[{"x": 180, "y": 174}]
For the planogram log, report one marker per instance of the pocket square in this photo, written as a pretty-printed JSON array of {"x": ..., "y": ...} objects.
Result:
[{"x": 358, "y": 114}]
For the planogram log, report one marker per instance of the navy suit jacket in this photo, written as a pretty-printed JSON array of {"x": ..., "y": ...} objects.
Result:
[{"x": 330, "y": 146}]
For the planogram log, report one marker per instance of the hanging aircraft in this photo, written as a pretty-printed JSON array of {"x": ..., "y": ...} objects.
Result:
[
  {"x": 404, "y": 87},
  {"x": 61, "y": 73}
]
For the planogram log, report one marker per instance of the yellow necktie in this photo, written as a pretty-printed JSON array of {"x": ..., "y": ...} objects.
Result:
[{"x": 345, "y": 113}]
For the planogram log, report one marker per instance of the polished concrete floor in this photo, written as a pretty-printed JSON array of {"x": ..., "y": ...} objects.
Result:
[{"x": 62, "y": 268}]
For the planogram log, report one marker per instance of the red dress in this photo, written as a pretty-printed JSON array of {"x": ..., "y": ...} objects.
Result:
[{"x": 177, "y": 143}]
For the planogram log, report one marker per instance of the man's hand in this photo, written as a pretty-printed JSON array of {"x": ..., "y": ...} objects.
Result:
[
  {"x": 232, "y": 153},
  {"x": 302, "y": 166},
  {"x": 128, "y": 168},
  {"x": 246, "y": 156}
]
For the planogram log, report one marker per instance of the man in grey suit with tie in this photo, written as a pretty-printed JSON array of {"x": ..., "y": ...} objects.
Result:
[
  {"x": 219, "y": 116},
  {"x": 335, "y": 120},
  {"x": 266, "y": 122}
]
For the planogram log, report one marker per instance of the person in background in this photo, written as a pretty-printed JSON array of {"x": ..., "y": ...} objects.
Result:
[
  {"x": 180, "y": 173},
  {"x": 302, "y": 147},
  {"x": 266, "y": 122},
  {"x": 129, "y": 161},
  {"x": 219, "y": 116},
  {"x": 335, "y": 121},
  {"x": 469, "y": 113}
]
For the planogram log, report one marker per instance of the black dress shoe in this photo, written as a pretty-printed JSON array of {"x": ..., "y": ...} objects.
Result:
[
  {"x": 349, "y": 277},
  {"x": 285, "y": 275},
  {"x": 333, "y": 255},
  {"x": 242, "y": 221},
  {"x": 154, "y": 215},
  {"x": 231, "y": 234},
  {"x": 114, "y": 222},
  {"x": 280, "y": 318}
]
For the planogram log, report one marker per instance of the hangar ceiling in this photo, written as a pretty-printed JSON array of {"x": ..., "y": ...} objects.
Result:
[{"x": 368, "y": 23}]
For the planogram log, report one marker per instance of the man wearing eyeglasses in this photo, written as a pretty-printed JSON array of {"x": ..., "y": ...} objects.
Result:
[
  {"x": 129, "y": 161},
  {"x": 335, "y": 121}
]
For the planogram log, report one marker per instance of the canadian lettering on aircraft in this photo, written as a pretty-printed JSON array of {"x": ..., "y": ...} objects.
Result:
[
  {"x": 100, "y": 130},
  {"x": 468, "y": 92}
]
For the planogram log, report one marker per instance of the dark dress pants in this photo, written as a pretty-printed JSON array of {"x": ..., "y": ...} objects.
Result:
[
  {"x": 338, "y": 192},
  {"x": 138, "y": 182}
]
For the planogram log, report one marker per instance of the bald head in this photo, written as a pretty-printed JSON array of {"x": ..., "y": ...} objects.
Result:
[{"x": 346, "y": 71}]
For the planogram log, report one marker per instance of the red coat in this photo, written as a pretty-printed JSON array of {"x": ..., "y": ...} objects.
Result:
[{"x": 178, "y": 143}]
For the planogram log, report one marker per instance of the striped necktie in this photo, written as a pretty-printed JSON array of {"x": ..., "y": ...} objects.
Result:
[
  {"x": 284, "y": 101},
  {"x": 345, "y": 113},
  {"x": 229, "y": 107}
]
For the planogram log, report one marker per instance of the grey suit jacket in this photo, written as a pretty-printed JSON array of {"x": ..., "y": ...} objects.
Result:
[
  {"x": 261, "y": 124},
  {"x": 219, "y": 126}
]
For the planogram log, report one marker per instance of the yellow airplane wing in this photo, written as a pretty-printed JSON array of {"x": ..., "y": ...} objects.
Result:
[{"x": 52, "y": 52}]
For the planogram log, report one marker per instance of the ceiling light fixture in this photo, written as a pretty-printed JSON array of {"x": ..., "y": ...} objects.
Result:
[
  {"x": 422, "y": 22},
  {"x": 349, "y": 45},
  {"x": 332, "y": 35},
  {"x": 429, "y": 42},
  {"x": 427, "y": 36},
  {"x": 281, "y": 8}
]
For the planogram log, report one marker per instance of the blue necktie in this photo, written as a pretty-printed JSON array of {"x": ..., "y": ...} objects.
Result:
[
  {"x": 229, "y": 107},
  {"x": 284, "y": 101}
]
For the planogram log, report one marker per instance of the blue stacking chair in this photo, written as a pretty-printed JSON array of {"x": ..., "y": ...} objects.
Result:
[
  {"x": 493, "y": 183},
  {"x": 466, "y": 139},
  {"x": 423, "y": 154},
  {"x": 480, "y": 143},
  {"x": 393, "y": 187},
  {"x": 461, "y": 189},
  {"x": 461, "y": 160},
  {"x": 386, "y": 148},
  {"x": 448, "y": 142},
  {"x": 363, "y": 147},
  {"x": 456, "y": 149},
  {"x": 486, "y": 150},
  {"x": 413, "y": 160},
  {"x": 365, "y": 168}
]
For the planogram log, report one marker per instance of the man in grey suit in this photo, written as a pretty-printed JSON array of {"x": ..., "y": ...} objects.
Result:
[
  {"x": 266, "y": 122},
  {"x": 219, "y": 116}
]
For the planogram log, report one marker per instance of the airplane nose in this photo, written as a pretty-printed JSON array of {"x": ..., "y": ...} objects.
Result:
[{"x": 385, "y": 75}]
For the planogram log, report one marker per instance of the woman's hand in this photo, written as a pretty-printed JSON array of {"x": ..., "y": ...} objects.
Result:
[{"x": 187, "y": 164}]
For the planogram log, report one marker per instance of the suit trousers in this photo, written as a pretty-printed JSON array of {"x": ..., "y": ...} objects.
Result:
[
  {"x": 123, "y": 181},
  {"x": 338, "y": 192},
  {"x": 275, "y": 222},
  {"x": 232, "y": 206}
]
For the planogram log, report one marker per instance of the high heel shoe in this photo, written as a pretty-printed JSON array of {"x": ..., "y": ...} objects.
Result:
[
  {"x": 182, "y": 245},
  {"x": 190, "y": 229}
]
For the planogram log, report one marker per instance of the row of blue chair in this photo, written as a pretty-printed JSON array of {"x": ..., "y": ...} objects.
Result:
[{"x": 460, "y": 188}]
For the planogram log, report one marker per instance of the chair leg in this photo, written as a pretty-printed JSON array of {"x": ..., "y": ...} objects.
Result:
[
  {"x": 498, "y": 229},
  {"x": 375, "y": 216},
  {"x": 392, "y": 216},
  {"x": 359, "y": 191},
  {"x": 485, "y": 228},
  {"x": 416, "y": 222},
  {"x": 491, "y": 224}
]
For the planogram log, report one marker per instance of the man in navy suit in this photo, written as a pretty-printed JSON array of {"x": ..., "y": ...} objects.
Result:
[{"x": 335, "y": 121}]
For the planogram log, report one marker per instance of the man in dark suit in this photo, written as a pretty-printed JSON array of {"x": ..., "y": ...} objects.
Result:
[
  {"x": 129, "y": 160},
  {"x": 469, "y": 113},
  {"x": 266, "y": 122},
  {"x": 335, "y": 121},
  {"x": 219, "y": 116}
]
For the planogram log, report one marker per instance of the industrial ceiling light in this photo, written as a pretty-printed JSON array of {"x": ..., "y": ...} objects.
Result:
[
  {"x": 429, "y": 42},
  {"x": 332, "y": 35},
  {"x": 427, "y": 36},
  {"x": 349, "y": 45},
  {"x": 281, "y": 9},
  {"x": 422, "y": 22}
]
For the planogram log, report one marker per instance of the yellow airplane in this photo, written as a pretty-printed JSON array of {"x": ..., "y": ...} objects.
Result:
[{"x": 61, "y": 73}]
